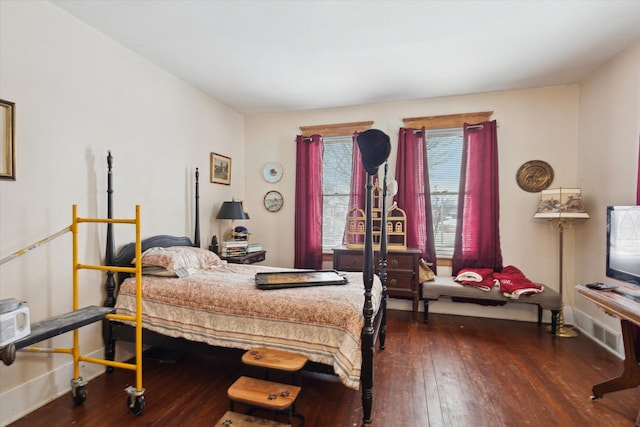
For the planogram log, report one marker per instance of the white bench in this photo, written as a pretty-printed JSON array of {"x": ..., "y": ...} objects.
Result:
[{"x": 548, "y": 299}]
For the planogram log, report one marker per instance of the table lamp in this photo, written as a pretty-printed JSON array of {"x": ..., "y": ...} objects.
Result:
[{"x": 232, "y": 210}]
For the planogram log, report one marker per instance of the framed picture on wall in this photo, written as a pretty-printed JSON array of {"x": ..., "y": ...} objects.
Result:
[
  {"x": 7, "y": 140},
  {"x": 220, "y": 169}
]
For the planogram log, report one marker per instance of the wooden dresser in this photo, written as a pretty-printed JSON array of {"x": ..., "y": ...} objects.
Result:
[{"x": 402, "y": 270}]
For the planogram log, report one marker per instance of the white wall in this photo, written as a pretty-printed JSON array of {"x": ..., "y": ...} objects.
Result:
[
  {"x": 79, "y": 94},
  {"x": 609, "y": 132},
  {"x": 532, "y": 124}
]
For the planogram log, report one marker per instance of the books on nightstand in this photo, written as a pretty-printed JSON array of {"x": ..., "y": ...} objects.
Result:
[
  {"x": 254, "y": 247},
  {"x": 237, "y": 248},
  {"x": 233, "y": 248}
]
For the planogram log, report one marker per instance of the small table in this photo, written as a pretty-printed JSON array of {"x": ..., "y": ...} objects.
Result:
[
  {"x": 249, "y": 258},
  {"x": 628, "y": 311}
]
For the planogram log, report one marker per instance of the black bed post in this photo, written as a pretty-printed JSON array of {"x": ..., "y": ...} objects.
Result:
[
  {"x": 368, "y": 349},
  {"x": 375, "y": 146},
  {"x": 196, "y": 237},
  {"x": 109, "y": 286},
  {"x": 383, "y": 258}
]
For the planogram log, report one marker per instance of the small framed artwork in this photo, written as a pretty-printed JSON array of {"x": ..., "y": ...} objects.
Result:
[
  {"x": 220, "y": 169},
  {"x": 7, "y": 140}
]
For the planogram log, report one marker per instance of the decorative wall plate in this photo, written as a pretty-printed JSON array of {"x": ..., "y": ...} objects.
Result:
[
  {"x": 534, "y": 176},
  {"x": 273, "y": 201},
  {"x": 272, "y": 172}
]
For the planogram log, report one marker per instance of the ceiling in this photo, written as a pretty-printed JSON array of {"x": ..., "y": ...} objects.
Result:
[{"x": 280, "y": 56}]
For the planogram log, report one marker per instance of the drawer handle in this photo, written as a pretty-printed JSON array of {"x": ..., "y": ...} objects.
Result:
[
  {"x": 394, "y": 262},
  {"x": 393, "y": 282}
]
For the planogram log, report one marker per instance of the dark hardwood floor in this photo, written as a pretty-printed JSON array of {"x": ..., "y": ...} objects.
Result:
[{"x": 456, "y": 371}]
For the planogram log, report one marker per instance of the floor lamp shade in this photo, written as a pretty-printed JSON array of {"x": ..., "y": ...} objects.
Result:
[{"x": 561, "y": 203}]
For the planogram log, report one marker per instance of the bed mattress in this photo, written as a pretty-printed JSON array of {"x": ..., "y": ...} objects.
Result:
[{"x": 223, "y": 307}]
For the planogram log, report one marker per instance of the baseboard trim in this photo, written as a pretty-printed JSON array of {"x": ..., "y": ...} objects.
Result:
[{"x": 27, "y": 397}]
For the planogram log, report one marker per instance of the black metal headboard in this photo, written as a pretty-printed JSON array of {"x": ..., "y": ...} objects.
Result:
[{"x": 127, "y": 252}]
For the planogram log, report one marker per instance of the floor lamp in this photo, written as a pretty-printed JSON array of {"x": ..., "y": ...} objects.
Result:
[{"x": 561, "y": 206}]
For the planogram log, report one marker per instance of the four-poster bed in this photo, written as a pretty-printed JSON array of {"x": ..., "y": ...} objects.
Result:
[{"x": 213, "y": 304}]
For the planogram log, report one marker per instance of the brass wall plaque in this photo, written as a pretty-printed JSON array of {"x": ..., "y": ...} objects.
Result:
[{"x": 534, "y": 176}]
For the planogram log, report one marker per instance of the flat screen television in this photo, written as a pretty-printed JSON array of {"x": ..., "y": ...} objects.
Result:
[{"x": 623, "y": 243}]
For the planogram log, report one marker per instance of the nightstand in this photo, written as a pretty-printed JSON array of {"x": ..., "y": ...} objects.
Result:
[{"x": 250, "y": 258}]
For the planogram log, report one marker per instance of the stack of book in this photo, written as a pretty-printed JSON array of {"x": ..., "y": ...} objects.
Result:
[
  {"x": 254, "y": 247},
  {"x": 234, "y": 248}
]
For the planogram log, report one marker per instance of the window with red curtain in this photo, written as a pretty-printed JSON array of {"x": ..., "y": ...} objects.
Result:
[
  {"x": 477, "y": 242},
  {"x": 308, "y": 202},
  {"x": 309, "y": 188},
  {"x": 413, "y": 191}
]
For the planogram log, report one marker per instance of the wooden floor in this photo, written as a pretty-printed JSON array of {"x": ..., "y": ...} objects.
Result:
[{"x": 456, "y": 371}]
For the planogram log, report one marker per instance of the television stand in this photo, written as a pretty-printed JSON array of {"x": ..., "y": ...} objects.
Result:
[{"x": 628, "y": 311}]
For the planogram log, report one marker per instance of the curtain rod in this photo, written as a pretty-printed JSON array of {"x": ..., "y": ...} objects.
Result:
[{"x": 480, "y": 126}]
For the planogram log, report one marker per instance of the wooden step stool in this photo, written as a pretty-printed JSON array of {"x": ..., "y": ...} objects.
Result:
[
  {"x": 268, "y": 358},
  {"x": 265, "y": 394},
  {"x": 234, "y": 419}
]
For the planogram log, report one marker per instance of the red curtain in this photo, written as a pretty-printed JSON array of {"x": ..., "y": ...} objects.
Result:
[
  {"x": 635, "y": 328},
  {"x": 477, "y": 242},
  {"x": 638, "y": 182},
  {"x": 308, "y": 206},
  {"x": 414, "y": 195}
]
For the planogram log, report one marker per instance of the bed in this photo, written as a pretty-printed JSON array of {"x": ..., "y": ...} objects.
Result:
[
  {"x": 219, "y": 304},
  {"x": 215, "y": 304}
]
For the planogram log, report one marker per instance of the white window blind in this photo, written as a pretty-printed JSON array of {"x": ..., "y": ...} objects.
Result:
[{"x": 444, "y": 149}]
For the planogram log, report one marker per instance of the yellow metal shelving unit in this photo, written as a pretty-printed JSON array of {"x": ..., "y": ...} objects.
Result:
[{"x": 79, "y": 317}]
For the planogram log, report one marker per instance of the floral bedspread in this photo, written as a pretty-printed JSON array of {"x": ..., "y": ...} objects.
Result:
[{"x": 223, "y": 307}]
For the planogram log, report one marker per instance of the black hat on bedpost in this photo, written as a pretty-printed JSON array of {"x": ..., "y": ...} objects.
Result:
[{"x": 375, "y": 147}]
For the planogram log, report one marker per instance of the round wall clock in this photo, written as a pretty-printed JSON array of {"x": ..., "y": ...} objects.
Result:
[
  {"x": 534, "y": 176},
  {"x": 272, "y": 172},
  {"x": 273, "y": 201}
]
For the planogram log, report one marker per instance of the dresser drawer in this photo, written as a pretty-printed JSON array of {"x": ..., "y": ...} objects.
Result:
[
  {"x": 399, "y": 281},
  {"x": 348, "y": 262},
  {"x": 400, "y": 261}
]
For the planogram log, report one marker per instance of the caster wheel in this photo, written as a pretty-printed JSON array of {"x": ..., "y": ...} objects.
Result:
[
  {"x": 135, "y": 404},
  {"x": 594, "y": 398},
  {"x": 80, "y": 395},
  {"x": 8, "y": 354}
]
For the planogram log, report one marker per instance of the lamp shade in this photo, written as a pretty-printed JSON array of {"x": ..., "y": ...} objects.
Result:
[
  {"x": 561, "y": 203},
  {"x": 232, "y": 210}
]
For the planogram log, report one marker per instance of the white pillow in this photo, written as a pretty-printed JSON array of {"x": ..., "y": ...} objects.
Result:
[{"x": 181, "y": 260}]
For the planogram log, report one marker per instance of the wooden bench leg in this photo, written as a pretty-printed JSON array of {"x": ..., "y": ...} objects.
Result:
[
  {"x": 539, "y": 315},
  {"x": 426, "y": 310}
]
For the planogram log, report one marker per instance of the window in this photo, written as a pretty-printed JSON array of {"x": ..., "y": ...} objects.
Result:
[
  {"x": 336, "y": 174},
  {"x": 336, "y": 179},
  {"x": 444, "y": 150},
  {"x": 444, "y": 142}
]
